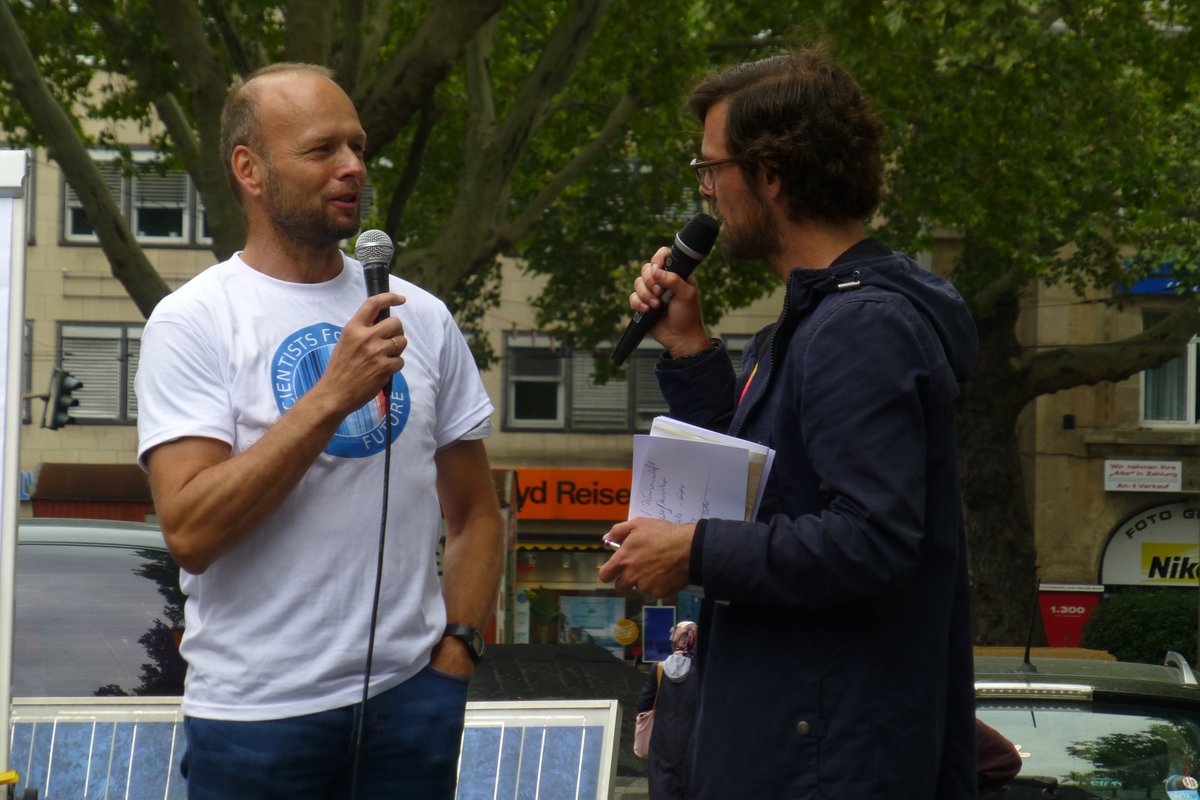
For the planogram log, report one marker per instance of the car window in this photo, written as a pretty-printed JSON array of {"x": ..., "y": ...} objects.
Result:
[
  {"x": 95, "y": 620},
  {"x": 1097, "y": 751}
]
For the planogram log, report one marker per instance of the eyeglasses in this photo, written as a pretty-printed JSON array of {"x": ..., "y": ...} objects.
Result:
[{"x": 704, "y": 170}]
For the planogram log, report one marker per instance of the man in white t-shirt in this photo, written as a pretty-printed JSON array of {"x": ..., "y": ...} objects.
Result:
[{"x": 263, "y": 424}]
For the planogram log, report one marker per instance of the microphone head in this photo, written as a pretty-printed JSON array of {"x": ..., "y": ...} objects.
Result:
[
  {"x": 699, "y": 235},
  {"x": 374, "y": 247}
]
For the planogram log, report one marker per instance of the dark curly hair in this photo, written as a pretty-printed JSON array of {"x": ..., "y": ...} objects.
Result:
[{"x": 806, "y": 120}]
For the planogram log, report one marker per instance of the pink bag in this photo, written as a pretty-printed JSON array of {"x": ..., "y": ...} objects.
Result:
[
  {"x": 644, "y": 725},
  {"x": 641, "y": 733}
]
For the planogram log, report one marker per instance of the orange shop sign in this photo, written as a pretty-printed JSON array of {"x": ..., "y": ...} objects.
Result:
[{"x": 573, "y": 493}]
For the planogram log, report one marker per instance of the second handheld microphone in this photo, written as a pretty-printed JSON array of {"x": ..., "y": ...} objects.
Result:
[{"x": 692, "y": 245}]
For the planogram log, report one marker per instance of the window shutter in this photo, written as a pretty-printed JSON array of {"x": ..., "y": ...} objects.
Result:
[
  {"x": 602, "y": 407},
  {"x": 95, "y": 362},
  {"x": 163, "y": 191},
  {"x": 134, "y": 351},
  {"x": 649, "y": 400},
  {"x": 110, "y": 174}
]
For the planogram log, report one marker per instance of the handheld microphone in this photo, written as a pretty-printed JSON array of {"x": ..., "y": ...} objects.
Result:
[
  {"x": 374, "y": 250},
  {"x": 692, "y": 245}
]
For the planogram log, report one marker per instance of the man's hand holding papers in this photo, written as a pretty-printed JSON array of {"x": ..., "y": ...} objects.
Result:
[{"x": 681, "y": 474}]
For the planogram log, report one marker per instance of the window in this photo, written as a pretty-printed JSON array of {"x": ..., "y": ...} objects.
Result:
[
  {"x": 1169, "y": 393},
  {"x": 104, "y": 357},
  {"x": 162, "y": 208},
  {"x": 550, "y": 387},
  {"x": 536, "y": 389},
  {"x": 78, "y": 227}
]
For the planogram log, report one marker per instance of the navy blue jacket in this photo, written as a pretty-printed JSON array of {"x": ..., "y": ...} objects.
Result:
[{"x": 836, "y": 656}]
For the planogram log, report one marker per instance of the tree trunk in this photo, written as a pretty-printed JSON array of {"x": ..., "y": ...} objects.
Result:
[{"x": 1002, "y": 557}]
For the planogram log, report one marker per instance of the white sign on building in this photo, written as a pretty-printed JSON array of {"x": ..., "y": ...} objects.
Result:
[{"x": 1143, "y": 476}]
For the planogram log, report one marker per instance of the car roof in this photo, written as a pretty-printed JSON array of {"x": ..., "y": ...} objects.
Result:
[
  {"x": 1172, "y": 683},
  {"x": 102, "y": 532}
]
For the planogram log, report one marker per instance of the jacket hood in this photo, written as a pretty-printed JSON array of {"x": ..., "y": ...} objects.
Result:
[{"x": 934, "y": 297}]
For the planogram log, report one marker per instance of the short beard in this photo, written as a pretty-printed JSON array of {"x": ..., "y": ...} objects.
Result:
[
  {"x": 303, "y": 225},
  {"x": 755, "y": 236}
]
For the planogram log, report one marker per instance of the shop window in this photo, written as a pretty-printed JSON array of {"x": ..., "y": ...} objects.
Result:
[{"x": 104, "y": 357}]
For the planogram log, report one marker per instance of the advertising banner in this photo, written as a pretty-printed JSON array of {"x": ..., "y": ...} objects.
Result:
[
  {"x": 600, "y": 494},
  {"x": 1156, "y": 547},
  {"x": 1065, "y": 610}
]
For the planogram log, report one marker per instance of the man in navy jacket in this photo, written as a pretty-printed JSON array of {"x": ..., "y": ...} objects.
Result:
[{"x": 837, "y": 656}]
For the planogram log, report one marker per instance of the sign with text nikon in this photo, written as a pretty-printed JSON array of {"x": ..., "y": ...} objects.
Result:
[
  {"x": 549, "y": 493},
  {"x": 1159, "y": 546}
]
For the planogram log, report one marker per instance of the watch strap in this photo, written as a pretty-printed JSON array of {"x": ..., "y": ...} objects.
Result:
[{"x": 469, "y": 635}]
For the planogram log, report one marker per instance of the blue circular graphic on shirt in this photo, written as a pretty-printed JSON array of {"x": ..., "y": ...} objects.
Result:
[{"x": 300, "y": 362}]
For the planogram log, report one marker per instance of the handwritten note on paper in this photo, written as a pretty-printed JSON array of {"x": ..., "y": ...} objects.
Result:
[{"x": 681, "y": 481}]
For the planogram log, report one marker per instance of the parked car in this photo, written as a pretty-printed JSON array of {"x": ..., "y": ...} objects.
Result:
[
  {"x": 99, "y": 611},
  {"x": 1088, "y": 728}
]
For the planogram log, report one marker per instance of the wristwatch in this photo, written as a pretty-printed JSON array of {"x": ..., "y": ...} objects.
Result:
[{"x": 471, "y": 637}]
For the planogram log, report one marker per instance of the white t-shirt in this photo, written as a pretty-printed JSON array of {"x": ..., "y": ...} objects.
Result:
[{"x": 277, "y": 627}]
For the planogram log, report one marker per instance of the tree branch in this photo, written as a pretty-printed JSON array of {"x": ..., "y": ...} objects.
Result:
[
  {"x": 183, "y": 30},
  {"x": 229, "y": 37},
  {"x": 129, "y": 265},
  {"x": 481, "y": 101},
  {"x": 407, "y": 183},
  {"x": 308, "y": 35},
  {"x": 613, "y": 126},
  {"x": 357, "y": 39},
  {"x": 1063, "y": 368},
  {"x": 559, "y": 59},
  {"x": 401, "y": 85}
]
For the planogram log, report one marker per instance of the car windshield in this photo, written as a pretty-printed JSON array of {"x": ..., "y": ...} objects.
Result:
[
  {"x": 96, "y": 620},
  {"x": 1096, "y": 751}
]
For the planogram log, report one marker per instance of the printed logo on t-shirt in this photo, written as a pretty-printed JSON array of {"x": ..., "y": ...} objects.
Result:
[{"x": 300, "y": 362}]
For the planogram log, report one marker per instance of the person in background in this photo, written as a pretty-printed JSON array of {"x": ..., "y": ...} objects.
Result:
[
  {"x": 671, "y": 691},
  {"x": 836, "y": 657},
  {"x": 263, "y": 425}
]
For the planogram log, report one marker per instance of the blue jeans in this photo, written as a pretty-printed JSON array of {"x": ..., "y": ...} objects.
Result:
[{"x": 411, "y": 740}]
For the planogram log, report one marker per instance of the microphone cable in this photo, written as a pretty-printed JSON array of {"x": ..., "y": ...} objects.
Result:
[
  {"x": 374, "y": 250},
  {"x": 387, "y": 474}
]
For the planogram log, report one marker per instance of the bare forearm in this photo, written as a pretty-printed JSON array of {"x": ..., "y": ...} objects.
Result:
[
  {"x": 471, "y": 568},
  {"x": 209, "y": 512}
]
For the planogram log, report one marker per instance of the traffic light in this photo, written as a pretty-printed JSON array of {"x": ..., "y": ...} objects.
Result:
[{"x": 60, "y": 400}]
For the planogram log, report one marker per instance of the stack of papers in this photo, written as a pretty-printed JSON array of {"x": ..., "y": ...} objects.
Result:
[{"x": 682, "y": 473}]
